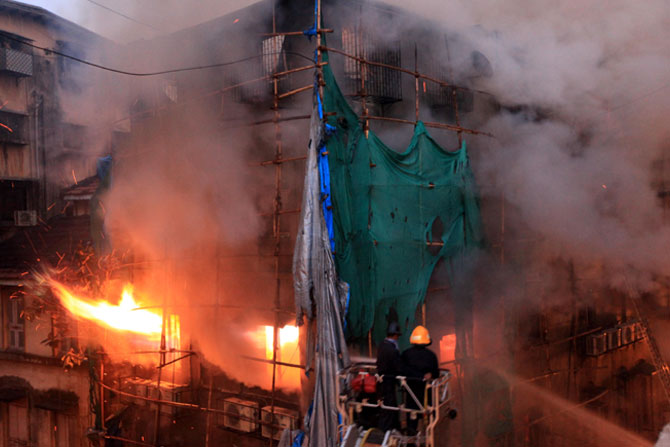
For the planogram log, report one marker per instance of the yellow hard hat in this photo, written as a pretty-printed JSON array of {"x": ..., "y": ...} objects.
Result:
[{"x": 420, "y": 336}]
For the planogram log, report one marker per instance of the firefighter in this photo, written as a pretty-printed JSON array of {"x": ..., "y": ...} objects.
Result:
[
  {"x": 389, "y": 365},
  {"x": 422, "y": 367}
]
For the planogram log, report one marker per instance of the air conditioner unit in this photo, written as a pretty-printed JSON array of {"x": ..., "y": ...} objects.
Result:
[
  {"x": 596, "y": 344},
  {"x": 627, "y": 333},
  {"x": 241, "y": 415},
  {"x": 25, "y": 218},
  {"x": 283, "y": 418},
  {"x": 613, "y": 338}
]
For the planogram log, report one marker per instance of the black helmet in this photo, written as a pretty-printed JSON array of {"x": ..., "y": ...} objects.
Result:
[{"x": 393, "y": 329}]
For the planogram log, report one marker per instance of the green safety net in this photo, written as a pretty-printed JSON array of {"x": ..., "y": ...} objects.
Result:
[{"x": 387, "y": 207}]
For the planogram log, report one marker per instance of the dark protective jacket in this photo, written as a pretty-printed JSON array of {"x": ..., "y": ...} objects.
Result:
[
  {"x": 389, "y": 364},
  {"x": 419, "y": 360},
  {"x": 388, "y": 359}
]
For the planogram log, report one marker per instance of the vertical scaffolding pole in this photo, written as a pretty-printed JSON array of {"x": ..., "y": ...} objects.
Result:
[
  {"x": 276, "y": 225},
  {"x": 454, "y": 96},
  {"x": 161, "y": 364},
  {"x": 416, "y": 84}
]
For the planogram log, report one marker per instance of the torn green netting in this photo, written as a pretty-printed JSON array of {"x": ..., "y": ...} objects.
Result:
[{"x": 386, "y": 206}]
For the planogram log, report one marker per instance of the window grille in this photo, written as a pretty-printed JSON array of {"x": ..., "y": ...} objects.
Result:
[{"x": 379, "y": 84}]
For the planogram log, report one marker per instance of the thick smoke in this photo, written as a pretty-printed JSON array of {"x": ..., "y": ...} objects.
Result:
[{"x": 576, "y": 161}]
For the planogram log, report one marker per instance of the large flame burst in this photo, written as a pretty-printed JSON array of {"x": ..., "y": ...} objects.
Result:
[{"x": 125, "y": 316}]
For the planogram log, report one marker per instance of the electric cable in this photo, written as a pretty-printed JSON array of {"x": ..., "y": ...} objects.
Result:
[
  {"x": 49, "y": 51},
  {"x": 122, "y": 15}
]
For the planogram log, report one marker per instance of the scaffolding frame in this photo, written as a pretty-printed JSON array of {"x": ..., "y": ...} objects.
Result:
[{"x": 278, "y": 210}]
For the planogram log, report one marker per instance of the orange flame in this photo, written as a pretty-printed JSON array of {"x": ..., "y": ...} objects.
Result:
[
  {"x": 122, "y": 317},
  {"x": 288, "y": 352}
]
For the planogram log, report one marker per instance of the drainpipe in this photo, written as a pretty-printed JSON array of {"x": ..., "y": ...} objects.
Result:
[{"x": 39, "y": 154}]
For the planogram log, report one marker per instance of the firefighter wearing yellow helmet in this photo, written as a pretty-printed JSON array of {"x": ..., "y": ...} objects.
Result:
[{"x": 422, "y": 367}]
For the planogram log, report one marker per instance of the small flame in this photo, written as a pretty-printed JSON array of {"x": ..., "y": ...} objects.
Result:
[
  {"x": 122, "y": 317},
  {"x": 74, "y": 177},
  {"x": 6, "y": 127},
  {"x": 236, "y": 20},
  {"x": 604, "y": 186}
]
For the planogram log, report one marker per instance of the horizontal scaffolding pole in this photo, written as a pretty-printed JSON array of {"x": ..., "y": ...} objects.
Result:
[
  {"x": 295, "y": 91},
  {"x": 297, "y": 33},
  {"x": 416, "y": 74},
  {"x": 183, "y": 357},
  {"x": 282, "y": 160},
  {"x": 296, "y": 211},
  {"x": 270, "y": 121},
  {"x": 428, "y": 124},
  {"x": 270, "y": 361},
  {"x": 129, "y": 441}
]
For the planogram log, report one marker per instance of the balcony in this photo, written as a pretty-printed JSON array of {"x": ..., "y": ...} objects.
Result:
[{"x": 15, "y": 62}]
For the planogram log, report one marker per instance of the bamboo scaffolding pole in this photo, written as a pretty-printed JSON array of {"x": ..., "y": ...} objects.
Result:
[
  {"x": 208, "y": 423},
  {"x": 296, "y": 211},
  {"x": 183, "y": 357},
  {"x": 454, "y": 98},
  {"x": 429, "y": 124},
  {"x": 296, "y": 33},
  {"x": 162, "y": 354},
  {"x": 282, "y": 160},
  {"x": 277, "y": 231},
  {"x": 403, "y": 70},
  {"x": 295, "y": 91},
  {"x": 269, "y": 121},
  {"x": 269, "y": 361},
  {"x": 129, "y": 441},
  {"x": 416, "y": 84}
]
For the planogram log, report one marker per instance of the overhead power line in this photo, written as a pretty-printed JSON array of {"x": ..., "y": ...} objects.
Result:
[
  {"x": 49, "y": 51},
  {"x": 122, "y": 15}
]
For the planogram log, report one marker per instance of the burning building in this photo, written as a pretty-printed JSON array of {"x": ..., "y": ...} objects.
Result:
[{"x": 207, "y": 200}]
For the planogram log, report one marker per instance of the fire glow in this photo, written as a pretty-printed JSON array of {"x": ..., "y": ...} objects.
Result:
[
  {"x": 126, "y": 316},
  {"x": 287, "y": 352}
]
